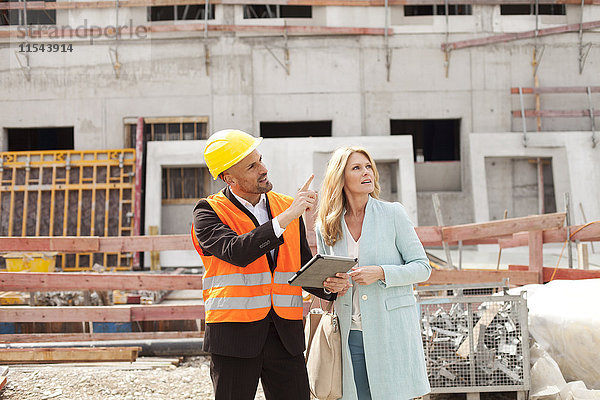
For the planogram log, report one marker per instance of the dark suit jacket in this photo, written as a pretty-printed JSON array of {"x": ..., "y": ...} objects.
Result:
[{"x": 246, "y": 339}]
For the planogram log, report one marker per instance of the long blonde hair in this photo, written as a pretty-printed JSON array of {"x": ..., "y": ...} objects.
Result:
[{"x": 332, "y": 200}]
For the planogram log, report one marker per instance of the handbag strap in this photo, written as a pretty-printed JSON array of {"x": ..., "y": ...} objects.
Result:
[{"x": 328, "y": 306}]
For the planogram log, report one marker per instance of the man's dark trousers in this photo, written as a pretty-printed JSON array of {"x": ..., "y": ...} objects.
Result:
[{"x": 283, "y": 375}]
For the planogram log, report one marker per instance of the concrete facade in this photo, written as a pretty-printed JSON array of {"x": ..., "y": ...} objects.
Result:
[
  {"x": 338, "y": 78},
  {"x": 575, "y": 168}
]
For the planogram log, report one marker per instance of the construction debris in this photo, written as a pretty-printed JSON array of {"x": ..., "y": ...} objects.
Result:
[
  {"x": 563, "y": 320},
  {"x": 75, "y": 298},
  {"x": 493, "y": 333}
]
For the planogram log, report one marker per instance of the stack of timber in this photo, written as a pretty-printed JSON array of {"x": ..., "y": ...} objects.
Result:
[
  {"x": 133, "y": 315},
  {"x": 47, "y": 355}
]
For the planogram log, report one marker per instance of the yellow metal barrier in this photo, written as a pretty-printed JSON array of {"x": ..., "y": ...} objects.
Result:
[
  {"x": 34, "y": 262},
  {"x": 69, "y": 193}
]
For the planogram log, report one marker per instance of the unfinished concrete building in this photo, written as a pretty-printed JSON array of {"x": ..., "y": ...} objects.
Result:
[{"x": 435, "y": 89}]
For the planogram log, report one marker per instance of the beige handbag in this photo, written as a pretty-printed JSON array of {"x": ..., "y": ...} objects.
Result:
[{"x": 323, "y": 353}]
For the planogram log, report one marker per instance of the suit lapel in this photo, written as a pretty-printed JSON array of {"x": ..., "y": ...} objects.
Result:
[{"x": 272, "y": 262}]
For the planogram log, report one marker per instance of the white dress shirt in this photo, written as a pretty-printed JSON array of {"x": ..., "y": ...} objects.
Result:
[
  {"x": 262, "y": 215},
  {"x": 353, "y": 251}
]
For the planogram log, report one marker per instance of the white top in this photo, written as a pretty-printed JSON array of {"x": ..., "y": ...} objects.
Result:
[
  {"x": 262, "y": 215},
  {"x": 353, "y": 251}
]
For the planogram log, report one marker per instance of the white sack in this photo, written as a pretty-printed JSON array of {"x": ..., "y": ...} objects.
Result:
[{"x": 564, "y": 318}]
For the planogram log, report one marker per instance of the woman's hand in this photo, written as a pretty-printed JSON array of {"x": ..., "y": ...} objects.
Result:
[
  {"x": 367, "y": 274},
  {"x": 340, "y": 283}
]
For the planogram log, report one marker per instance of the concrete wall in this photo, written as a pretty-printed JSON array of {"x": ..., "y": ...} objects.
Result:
[
  {"x": 290, "y": 163},
  {"x": 512, "y": 185},
  {"x": 575, "y": 169}
]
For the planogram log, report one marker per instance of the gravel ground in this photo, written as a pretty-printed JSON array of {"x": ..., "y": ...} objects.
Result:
[{"x": 190, "y": 380}]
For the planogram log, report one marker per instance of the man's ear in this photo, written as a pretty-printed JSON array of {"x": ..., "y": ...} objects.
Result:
[{"x": 227, "y": 178}]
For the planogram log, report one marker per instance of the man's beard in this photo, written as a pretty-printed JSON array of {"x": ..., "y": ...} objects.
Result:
[{"x": 264, "y": 187}]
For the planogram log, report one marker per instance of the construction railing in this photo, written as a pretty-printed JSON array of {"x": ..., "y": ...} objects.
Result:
[
  {"x": 531, "y": 231},
  {"x": 538, "y": 113},
  {"x": 35, "y": 282}
]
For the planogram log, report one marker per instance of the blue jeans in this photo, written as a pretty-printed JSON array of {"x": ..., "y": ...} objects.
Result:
[{"x": 357, "y": 352}]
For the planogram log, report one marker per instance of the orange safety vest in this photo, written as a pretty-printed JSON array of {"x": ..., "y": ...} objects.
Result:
[{"x": 246, "y": 294}]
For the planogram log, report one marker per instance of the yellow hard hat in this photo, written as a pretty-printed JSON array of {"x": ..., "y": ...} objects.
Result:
[{"x": 226, "y": 148}]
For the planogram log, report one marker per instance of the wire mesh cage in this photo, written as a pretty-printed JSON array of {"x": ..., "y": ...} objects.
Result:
[{"x": 475, "y": 338}]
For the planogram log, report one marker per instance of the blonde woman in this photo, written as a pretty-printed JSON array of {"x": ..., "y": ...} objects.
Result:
[{"x": 382, "y": 353}]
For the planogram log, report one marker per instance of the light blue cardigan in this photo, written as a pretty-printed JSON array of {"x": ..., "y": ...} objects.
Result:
[{"x": 391, "y": 333}]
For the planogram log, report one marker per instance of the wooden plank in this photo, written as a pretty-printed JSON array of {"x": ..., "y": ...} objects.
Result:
[
  {"x": 42, "y": 281},
  {"x": 536, "y": 254},
  {"x": 198, "y": 27},
  {"x": 61, "y": 244},
  {"x": 177, "y": 120},
  {"x": 65, "y": 314},
  {"x": 146, "y": 243},
  {"x": 68, "y": 354},
  {"x": 516, "y": 278},
  {"x": 74, "y": 186},
  {"x": 555, "y": 89},
  {"x": 570, "y": 274},
  {"x": 429, "y": 235},
  {"x": 517, "y": 240},
  {"x": 129, "y": 313},
  {"x": 432, "y": 236},
  {"x": 513, "y": 267},
  {"x": 40, "y": 5},
  {"x": 3, "y": 377},
  {"x": 487, "y": 233},
  {"x": 503, "y": 227},
  {"x": 164, "y": 312},
  {"x": 141, "y": 363},
  {"x": 97, "y": 244},
  {"x": 290, "y": 29},
  {"x": 83, "y": 337},
  {"x": 111, "y": 365},
  {"x": 589, "y": 232},
  {"x": 552, "y": 113},
  {"x": 585, "y": 233},
  {"x": 507, "y": 37}
]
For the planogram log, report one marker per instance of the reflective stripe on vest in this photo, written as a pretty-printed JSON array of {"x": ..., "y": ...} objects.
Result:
[
  {"x": 246, "y": 294},
  {"x": 282, "y": 277},
  {"x": 282, "y": 300},
  {"x": 261, "y": 278},
  {"x": 237, "y": 303}
]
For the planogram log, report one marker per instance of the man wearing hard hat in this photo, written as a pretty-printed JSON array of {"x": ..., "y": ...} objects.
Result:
[{"x": 252, "y": 240}]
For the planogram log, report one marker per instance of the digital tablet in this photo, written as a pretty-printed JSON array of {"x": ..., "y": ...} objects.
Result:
[{"x": 319, "y": 268}]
